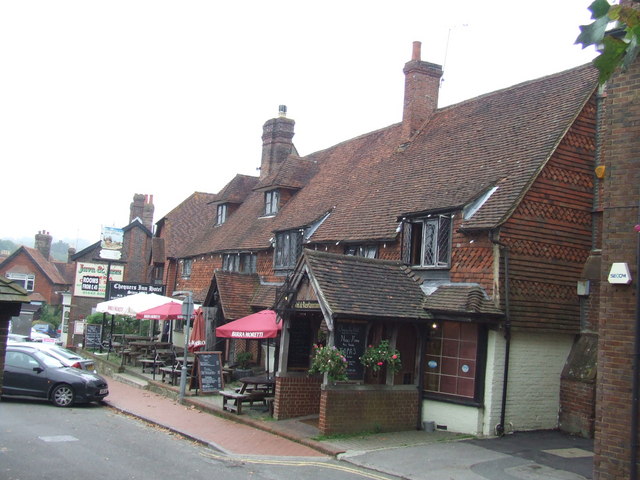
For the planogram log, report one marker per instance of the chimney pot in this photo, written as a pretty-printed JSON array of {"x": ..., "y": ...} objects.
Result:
[{"x": 415, "y": 56}]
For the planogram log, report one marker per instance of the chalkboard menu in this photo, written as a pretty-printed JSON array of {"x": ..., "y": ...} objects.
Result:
[
  {"x": 350, "y": 339},
  {"x": 207, "y": 372},
  {"x": 93, "y": 336},
  {"x": 299, "y": 345}
]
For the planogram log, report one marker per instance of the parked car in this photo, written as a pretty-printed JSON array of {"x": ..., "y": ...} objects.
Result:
[
  {"x": 31, "y": 372},
  {"x": 43, "y": 337},
  {"x": 45, "y": 328},
  {"x": 68, "y": 357},
  {"x": 14, "y": 337}
]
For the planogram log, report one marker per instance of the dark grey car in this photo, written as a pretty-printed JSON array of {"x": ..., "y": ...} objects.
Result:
[{"x": 29, "y": 372}]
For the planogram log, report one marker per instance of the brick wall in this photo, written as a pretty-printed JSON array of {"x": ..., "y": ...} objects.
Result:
[
  {"x": 577, "y": 401},
  {"x": 368, "y": 409},
  {"x": 621, "y": 147},
  {"x": 296, "y": 396},
  {"x": 21, "y": 263}
]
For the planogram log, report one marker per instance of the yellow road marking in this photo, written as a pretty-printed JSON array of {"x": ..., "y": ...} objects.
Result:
[{"x": 297, "y": 463}]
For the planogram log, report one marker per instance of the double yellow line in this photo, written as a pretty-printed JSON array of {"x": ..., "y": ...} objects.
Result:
[{"x": 297, "y": 463}]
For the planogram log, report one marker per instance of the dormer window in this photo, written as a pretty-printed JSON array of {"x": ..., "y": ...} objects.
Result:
[
  {"x": 287, "y": 249},
  {"x": 271, "y": 202},
  {"x": 429, "y": 242},
  {"x": 221, "y": 214}
]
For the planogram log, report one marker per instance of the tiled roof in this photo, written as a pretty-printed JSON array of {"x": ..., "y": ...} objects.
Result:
[
  {"x": 67, "y": 270},
  {"x": 236, "y": 190},
  {"x": 503, "y": 138},
  {"x": 10, "y": 292},
  {"x": 47, "y": 267},
  {"x": 246, "y": 229},
  {"x": 365, "y": 287},
  {"x": 293, "y": 173},
  {"x": 461, "y": 299},
  {"x": 236, "y": 291},
  {"x": 264, "y": 297},
  {"x": 178, "y": 226},
  {"x": 499, "y": 139}
]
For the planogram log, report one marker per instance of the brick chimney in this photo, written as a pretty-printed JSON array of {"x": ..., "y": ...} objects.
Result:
[
  {"x": 277, "y": 145},
  {"x": 43, "y": 244},
  {"x": 147, "y": 212},
  {"x": 142, "y": 208},
  {"x": 421, "y": 86}
]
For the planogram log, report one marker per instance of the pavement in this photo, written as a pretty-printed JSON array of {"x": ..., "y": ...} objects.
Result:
[{"x": 409, "y": 455}]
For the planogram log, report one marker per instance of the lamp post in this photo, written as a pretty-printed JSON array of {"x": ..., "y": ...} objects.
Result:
[{"x": 187, "y": 308}]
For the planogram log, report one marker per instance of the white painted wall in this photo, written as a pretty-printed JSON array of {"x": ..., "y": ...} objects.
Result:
[{"x": 533, "y": 395}]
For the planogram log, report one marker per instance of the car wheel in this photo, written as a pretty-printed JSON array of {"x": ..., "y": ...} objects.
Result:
[{"x": 62, "y": 395}]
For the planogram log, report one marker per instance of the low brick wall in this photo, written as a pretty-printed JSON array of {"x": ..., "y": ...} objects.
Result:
[
  {"x": 577, "y": 411},
  {"x": 296, "y": 396},
  {"x": 368, "y": 408}
]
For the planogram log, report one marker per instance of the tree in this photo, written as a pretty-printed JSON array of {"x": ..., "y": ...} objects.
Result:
[{"x": 619, "y": 45}]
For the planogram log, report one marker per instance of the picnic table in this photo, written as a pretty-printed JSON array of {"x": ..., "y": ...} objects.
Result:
[{"x": 258, "y": 388}]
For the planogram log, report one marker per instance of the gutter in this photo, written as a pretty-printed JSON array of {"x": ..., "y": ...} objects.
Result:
[{"x": 507, "y": 336}]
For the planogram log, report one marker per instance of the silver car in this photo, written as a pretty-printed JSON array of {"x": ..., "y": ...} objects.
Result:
[{"x": 67, "y": 357}]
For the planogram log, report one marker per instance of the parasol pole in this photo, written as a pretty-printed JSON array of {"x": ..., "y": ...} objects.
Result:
[{"x": 187, "y": 308}]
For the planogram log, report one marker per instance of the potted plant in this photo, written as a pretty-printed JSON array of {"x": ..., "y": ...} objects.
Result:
[
  {"x": 243, "y": 370},
  {"x": 329, "y": 360},
  {"x": 376, "y": 357}
]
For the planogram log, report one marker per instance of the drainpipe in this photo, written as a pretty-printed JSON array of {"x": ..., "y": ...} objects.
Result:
[
  {"x": 507, "y": 336},
  {"x": 422, "y": 335}
]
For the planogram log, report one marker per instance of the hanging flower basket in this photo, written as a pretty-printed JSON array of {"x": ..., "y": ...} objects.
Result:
[
  {"x": 331, "y": 361},
  {"x": 376, "y": 357}
]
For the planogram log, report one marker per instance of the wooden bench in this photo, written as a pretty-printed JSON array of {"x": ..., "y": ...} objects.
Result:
[{"x": 237, "y": 398}]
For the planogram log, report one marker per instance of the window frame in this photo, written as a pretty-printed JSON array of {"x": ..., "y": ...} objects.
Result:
[
  {"x": 478, "y": 378},
  {"x": 426, "y": 232},
  {"x": 25, "y": 280},
  {"x": 187, "y": 267},
  {"x": 271, "y": 201},
  {"x": 363, "y": 250},
  {"x": 286, "y": 251},
  {"x": 246, "y": 262},
  {"x": 221, "y": 213}
]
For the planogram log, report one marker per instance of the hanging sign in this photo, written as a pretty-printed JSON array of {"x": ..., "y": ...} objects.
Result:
[{"x": 111, "y": 243}]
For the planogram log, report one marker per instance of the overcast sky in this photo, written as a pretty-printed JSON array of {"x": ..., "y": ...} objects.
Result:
[{"x": 101, "y": 100}]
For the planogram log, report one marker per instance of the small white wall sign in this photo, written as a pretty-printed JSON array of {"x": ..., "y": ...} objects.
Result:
[{"x": 619, "y": 274}]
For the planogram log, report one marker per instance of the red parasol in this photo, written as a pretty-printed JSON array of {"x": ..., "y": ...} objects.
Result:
[
  {"x": 255, "y": 326},
  {"x": 168, "y": 311},
  {"x": 198, "y": 336}
]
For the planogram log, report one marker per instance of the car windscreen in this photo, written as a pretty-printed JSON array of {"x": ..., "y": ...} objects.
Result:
[
  {"x": 65, "y": 353},
  {"x": 47, "y": 359}
]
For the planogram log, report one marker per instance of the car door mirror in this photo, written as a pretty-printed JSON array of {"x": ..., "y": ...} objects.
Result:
[{"x": 38, "y": 369}]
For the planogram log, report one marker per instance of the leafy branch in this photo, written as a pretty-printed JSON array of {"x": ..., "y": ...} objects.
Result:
[{"x": 619, "y": 45}]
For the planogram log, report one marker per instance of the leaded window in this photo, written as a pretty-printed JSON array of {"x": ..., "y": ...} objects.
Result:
[
  {"x": 287, "y": 249},
  {"x": 429, "y": 242}
]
